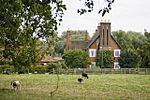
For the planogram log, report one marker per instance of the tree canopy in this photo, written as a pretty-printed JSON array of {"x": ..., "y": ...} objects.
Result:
[
  {"x": 145, "y": 51},
  {"x": 134, "y": 48},
  {"x": 23, "y": 22},
  {"x": 89, "y": 6}
]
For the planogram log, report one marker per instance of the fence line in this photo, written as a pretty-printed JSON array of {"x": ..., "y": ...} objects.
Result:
[
  {"x": 92, "y": 70},
  {"x": 105, "y": 71}
]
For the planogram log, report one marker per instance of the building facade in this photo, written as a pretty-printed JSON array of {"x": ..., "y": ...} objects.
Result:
[{"x": 101, "y": 40}]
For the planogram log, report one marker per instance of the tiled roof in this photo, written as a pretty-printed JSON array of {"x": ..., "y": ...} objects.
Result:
[
  {"x": 49, "y": 59},
  {"x": 78, "y": 44},
  {"x": 94, "y": 38},
  {"x": 115, "y": 41}
]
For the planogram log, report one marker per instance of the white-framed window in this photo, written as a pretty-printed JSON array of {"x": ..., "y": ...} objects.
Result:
[
  {"x": 92, "y": 52},
  {"x": 116, "y": 65},
  {"x": 117, "y": 53}
]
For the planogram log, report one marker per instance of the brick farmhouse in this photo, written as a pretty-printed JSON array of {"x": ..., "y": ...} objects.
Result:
[{"x": 101, "y": 40}]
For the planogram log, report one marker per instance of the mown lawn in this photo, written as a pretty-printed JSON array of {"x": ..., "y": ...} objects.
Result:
[{"x": 97, "y": 87}]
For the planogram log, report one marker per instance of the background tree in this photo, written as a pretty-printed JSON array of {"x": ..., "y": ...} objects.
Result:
[
  {"x": 145, "y": 51},
  {"x": 60, "y": 46},
  {"x": 129, "y": 39},
  {"x": 130, "y": 59},
  {"x": 76, "y": 58},
  {"x": 24, "y": 21},
  {"x": 78, "y": 35},
  {"x": 131, "y": 43}
]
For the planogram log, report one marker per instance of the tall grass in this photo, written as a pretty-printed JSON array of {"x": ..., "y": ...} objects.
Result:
[{"x": 97, "y": 87}]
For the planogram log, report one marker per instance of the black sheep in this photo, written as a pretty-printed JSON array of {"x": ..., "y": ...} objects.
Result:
[
  {"x": 80, "y": 80},
  {"x": 85, "y": 75}
]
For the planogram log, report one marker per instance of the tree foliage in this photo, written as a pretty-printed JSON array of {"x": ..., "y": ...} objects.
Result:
[
  {"x": 89, "y": 6},
  {"x": 145, "y": 51},
  {"x": 133, "y": 49},
  {"x": 78, "y": 35},
  {"x": 130, "y": 39},
  {"x": 60, "y": 46},
  {"x": 23, "y": 22},
  {"x": 130, "y": 59},
  {"x": 104, "y": 59},
  {"x": 76, "y": 58}
]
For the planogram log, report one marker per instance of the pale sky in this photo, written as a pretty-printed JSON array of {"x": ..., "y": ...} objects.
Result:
[{"x": 125, "y": 15}]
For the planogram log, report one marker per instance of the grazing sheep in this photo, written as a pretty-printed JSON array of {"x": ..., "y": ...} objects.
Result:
[
  {"x": 6, "y": 72},
  {"x": 85, "y": 75},
  {"x": 80, "y": 79},
  {"x": 16, "y": 85}
]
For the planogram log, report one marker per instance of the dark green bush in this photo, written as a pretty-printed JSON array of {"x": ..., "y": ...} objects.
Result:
[
  {"x": 5, "y": 62},
  {"x": 104, "y": 59},
  {"x": 39, "y": 69},
  {"x": 76, "y": 58},
  {"x": 6, "y": 68}
]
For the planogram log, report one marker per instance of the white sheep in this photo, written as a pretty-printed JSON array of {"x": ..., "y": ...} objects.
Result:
[{"x": 16, "y": 85}]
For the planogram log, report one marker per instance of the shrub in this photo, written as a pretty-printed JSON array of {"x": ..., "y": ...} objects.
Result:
[
  {"x": 76, "y": 58},
  {"x": 6, "y": 68},
  {"x": 39, "y": 69},
  {"x": 104, "y": 59}
]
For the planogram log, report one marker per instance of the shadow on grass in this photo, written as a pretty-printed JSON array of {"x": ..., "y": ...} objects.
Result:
[{"x": 2, "y": 90}]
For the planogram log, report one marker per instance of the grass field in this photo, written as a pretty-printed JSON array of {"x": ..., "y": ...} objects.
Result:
[{"x": 97, "y": 87}]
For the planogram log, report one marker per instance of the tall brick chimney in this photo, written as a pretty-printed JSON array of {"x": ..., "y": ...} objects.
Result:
[
  {"x": 86, "y": 36},
  {"x": 68, "y": 40},
  {"x": 104, "y": 30}
]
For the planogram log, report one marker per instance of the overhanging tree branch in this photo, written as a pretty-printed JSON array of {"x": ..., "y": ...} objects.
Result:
[{"x": 89, "y": 6}]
